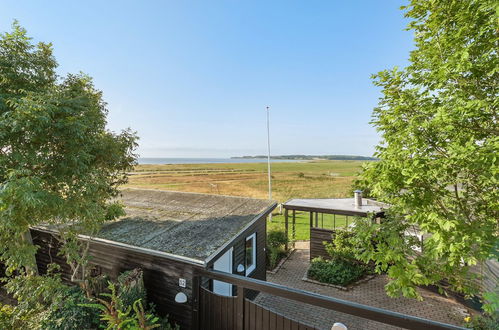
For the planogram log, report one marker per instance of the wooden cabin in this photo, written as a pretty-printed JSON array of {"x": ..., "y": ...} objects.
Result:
[{"x": 170, "y": 235}]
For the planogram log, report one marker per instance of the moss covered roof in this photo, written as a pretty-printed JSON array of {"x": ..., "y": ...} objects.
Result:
[{"x": 185, "y": 224}]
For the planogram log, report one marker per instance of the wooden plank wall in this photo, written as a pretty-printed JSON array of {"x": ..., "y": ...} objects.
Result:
[
  {"x": 161, "y": 275},
  {"x": 217, "y": 312},
  {"x": 489, "y": 270},
  {"x": 317, "y": 237},
  {"x": 260, "y": 273},
  {"x": 220, "y": 313},
  {"x": 257, "y": 317},
  {"x": 259, "y": 227}
]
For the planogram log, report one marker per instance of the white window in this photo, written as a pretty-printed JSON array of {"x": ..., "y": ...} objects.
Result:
[{"x": 250, "y": 253}]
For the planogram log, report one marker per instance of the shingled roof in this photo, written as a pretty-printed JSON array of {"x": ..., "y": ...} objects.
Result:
[{"x": 185, "y": 224}]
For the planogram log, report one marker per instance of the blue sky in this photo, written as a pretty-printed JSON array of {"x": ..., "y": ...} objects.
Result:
[{"x": 193, "y": 78}]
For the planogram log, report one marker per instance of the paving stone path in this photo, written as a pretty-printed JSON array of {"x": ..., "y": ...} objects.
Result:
[{"x": 371, "y": 293}]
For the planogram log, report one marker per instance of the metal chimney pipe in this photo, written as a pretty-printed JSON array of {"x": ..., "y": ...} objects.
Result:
[{"x": 357, "y": 197}]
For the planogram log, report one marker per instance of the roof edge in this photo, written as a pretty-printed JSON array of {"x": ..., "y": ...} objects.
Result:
[
  {"x": 249, "y": 224},
  {"x": 130, "y": 247}
]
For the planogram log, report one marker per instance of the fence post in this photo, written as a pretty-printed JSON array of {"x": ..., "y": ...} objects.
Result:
[
  {"x": 240, "y": 308},
  {"x": 293, "y": 231},
  {"x": 195, "y": 302},
  {"x": 286, "y": 227}
]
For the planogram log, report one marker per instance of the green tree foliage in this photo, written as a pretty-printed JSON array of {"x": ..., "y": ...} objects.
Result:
[
  {"x": 59, "y": 164},
  {"x": 341, "y": 246},
  {"x": 438, "y": 162},
  {"x": 45, "y": 302}
]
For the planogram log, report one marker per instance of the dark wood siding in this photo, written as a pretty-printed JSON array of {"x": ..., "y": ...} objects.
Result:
[
  {"x": 161, "y": 275},
  {"x": 317, "y": 237},
  {"x": 222, "y": 313},
  {"x": 488, "y": 275},
  {"x": 260, "y": 228}
]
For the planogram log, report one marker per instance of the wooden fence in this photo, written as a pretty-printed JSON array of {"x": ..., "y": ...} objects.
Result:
[
  {"x": 227, "y": 313},
  {"x": 212, "y": 311},
  {"x": 317, "y": 238}
]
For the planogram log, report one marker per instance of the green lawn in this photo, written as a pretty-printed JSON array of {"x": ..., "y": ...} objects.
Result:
[{"x": 327, "y": 221}]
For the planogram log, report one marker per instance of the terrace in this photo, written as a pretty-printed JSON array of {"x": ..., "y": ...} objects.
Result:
[{"x": 369, "y": 293}]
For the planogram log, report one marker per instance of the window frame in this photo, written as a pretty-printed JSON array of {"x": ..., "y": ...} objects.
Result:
[{"x": 250, "y": 269}]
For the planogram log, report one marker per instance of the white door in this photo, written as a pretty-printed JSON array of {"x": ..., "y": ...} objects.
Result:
[{"x": 223, "y": 264}]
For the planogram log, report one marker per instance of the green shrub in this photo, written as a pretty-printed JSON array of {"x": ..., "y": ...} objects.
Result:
[
  {"x": 6, "y": 317},
  {"x": 276, "y": 238},
  {"x": 484, "y": 322},
  {"x": 44, "y": 302},
  {"x": 125, "y": 307},
  {"x": 67, "y": 313},
  {"x": 276, "y": 242},
  {"x": 95, "y": 285},
  {"x": 164, "y": 324},
  {"x": 341, "y": 246},
  {"x": 337, "y": 271},
  {"x": 274, "y": 255},
  {"x": 115, "y": 315},
  {"x": 131, "y": 288},
  {"x": 35, "y": 295}
]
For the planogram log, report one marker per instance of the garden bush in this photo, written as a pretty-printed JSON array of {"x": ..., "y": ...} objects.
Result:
[
  {"x": 67, "y": 313},
  {"x": 484, "y": 322},
  {"x": 5, "y": 316},
  {"x": 131, "y": 288},
  {"x": 44, "y": 302},
  {"x": 277, "y": 238},
  {"x": 274, "y": 255},
  {"x": 341, "y": 247},
  {"x": 124, "y": 305},
  {"x": 336, "y": 271},
  {"x": 116, "y": 314},
  {"x": 276, "y": 242}
]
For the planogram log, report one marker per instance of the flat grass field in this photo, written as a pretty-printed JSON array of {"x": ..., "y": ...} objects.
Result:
[{"x": 307, "y": 179}]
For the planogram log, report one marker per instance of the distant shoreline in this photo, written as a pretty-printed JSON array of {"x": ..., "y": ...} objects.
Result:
[
  {"x": 245, "y": 159},
  {"x": 310, "y": 157},
  {"x": 179, "y": 161}
]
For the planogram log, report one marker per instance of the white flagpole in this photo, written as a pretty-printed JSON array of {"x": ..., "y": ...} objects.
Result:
[{"x": 268, "y": 158}]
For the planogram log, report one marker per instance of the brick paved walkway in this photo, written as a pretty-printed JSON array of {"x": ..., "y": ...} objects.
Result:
[{"x": 371, "y": 293}]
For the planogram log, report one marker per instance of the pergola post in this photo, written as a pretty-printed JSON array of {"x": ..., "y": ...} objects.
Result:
[
  {"x": 286, "y": 227},
  {"x": 293, "y": 232}
]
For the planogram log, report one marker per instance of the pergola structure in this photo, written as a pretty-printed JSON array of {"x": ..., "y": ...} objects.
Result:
[{"x": 345, "y": 207}]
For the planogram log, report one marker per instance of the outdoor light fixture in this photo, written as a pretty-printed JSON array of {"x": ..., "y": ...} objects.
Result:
[
  {"x": 240, "y": 268},
  {"x": 181, "y": 298}
]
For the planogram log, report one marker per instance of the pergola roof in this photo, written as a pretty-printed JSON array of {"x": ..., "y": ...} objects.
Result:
[{"x": 343, "y": 206}]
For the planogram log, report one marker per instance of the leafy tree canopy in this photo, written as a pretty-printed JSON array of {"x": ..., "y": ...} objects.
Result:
[
  {"x": 58, "y": 163},
  {"x": 439, "y": 152}
]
